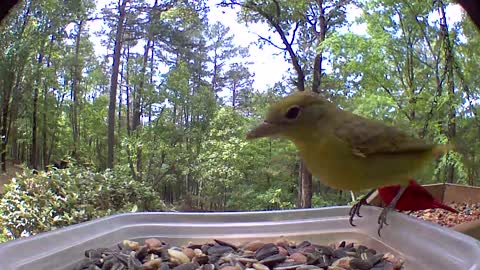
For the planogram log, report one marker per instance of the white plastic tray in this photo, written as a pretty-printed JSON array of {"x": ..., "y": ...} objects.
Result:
[{"x": 424, "y": 245}]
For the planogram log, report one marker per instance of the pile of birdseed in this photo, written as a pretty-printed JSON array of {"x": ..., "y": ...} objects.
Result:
[
  {"x": 281, "y": 254},
  {"x": 467, "y": 212}
]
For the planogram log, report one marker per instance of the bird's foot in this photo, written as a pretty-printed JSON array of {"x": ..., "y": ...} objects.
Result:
[
  {"x": 355, "y": 210},
  {"x": 382, "y": 219}
]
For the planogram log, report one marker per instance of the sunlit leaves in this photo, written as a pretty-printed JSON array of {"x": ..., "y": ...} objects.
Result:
[{"x": 49, "y": 200}]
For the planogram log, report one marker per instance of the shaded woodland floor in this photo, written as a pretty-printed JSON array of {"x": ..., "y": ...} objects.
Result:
[{"x": 12, "y": 169}]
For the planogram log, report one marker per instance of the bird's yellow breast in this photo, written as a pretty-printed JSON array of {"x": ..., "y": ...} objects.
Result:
[{"x": 333, "y": 162}]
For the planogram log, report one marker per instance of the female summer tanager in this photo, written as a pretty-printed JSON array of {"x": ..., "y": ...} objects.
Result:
[{"x": 346, "y": 151}]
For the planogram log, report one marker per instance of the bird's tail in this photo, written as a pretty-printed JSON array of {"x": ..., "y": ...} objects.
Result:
[{"x": 438, "y": 204}]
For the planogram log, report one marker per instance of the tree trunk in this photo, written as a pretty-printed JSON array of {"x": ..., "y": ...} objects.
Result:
[
  {"x": 34, "y": 150},
  {"x": 12, "y": 131},
  {"x": 298, "y": 167},
  {"x": 127, "y": 103},
  {"x": 137, "y": 105},
  {"x": 45, "y": 150},
  {"x": 45, "y": 126},
  {"x": 234, "y": 96},
  {"x": 320, "y": 34},
  {"x": 215, "y": 73},
  {"x": 123, "y": 78},
  {"x": 114, "y": 83},
  {"x": 12, "y": 127},
  {"x": 306, "y": 175},
  {"x": 19, "y": 62},
  {"x": 306, "y": 189},
  {"x": 451, "y": 125},
  {"x": 126, "y": 78},
  {"x": 152, "y": 58},
  {"x": 54, "y": 131},
  {"x": 75, "y": 91},
  {"x": 5, "y": 110}
]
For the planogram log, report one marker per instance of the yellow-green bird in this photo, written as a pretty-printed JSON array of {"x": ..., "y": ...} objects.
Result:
[{"x": 346, "y": 151}]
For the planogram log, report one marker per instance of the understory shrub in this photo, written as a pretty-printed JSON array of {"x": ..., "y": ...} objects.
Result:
[{"x": 34, "y": 203}]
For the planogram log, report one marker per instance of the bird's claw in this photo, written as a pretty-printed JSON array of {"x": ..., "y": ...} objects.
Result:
[
  {"x": 382, "y": 219},
  {"x": 355, "y": 210}
]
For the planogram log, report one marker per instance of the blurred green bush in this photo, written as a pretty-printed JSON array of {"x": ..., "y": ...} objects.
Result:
[{"x": 34, "y": 203}]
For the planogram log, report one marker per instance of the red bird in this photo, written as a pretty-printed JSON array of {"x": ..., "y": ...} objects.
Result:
[{"x": 415, "y": 198}]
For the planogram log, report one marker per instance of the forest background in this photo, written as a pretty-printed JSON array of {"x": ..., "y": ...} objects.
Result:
[{"x": 149, "y": 101}]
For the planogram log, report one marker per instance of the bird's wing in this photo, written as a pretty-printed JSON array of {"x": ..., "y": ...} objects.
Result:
[
  {"x": 368, "y": 137},
  {"x": 418, "y": 191}
]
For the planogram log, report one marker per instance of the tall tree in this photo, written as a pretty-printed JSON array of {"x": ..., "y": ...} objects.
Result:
[
  {"x": 239, "y": 82},
  {"x": 76, "y": 76},
  {"x": 38, "y": 83},
  {"x": 114, "y": 82},
  {"x": 223, "y": 49},
  {"x": 311, "y": 22},
  {"x": 450, "y": 84},
  {"x": 13, "y": 65}
]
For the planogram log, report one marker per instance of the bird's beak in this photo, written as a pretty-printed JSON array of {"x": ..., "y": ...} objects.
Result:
[{"x": 265, "y": 129}]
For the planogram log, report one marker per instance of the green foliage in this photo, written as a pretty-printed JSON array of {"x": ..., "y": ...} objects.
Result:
[
  {"x": 249, "y": 175},
  {"x": 34, "y": 203},
  {"x": 329, "y": 199},
  {"x": 3, "y": 236},
  {"x": 401, "y": 73},
  {"x": 272, "y": 199}
]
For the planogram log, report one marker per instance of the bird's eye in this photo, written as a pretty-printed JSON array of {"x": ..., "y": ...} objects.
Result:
[{"x": 293, "y": 112}]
